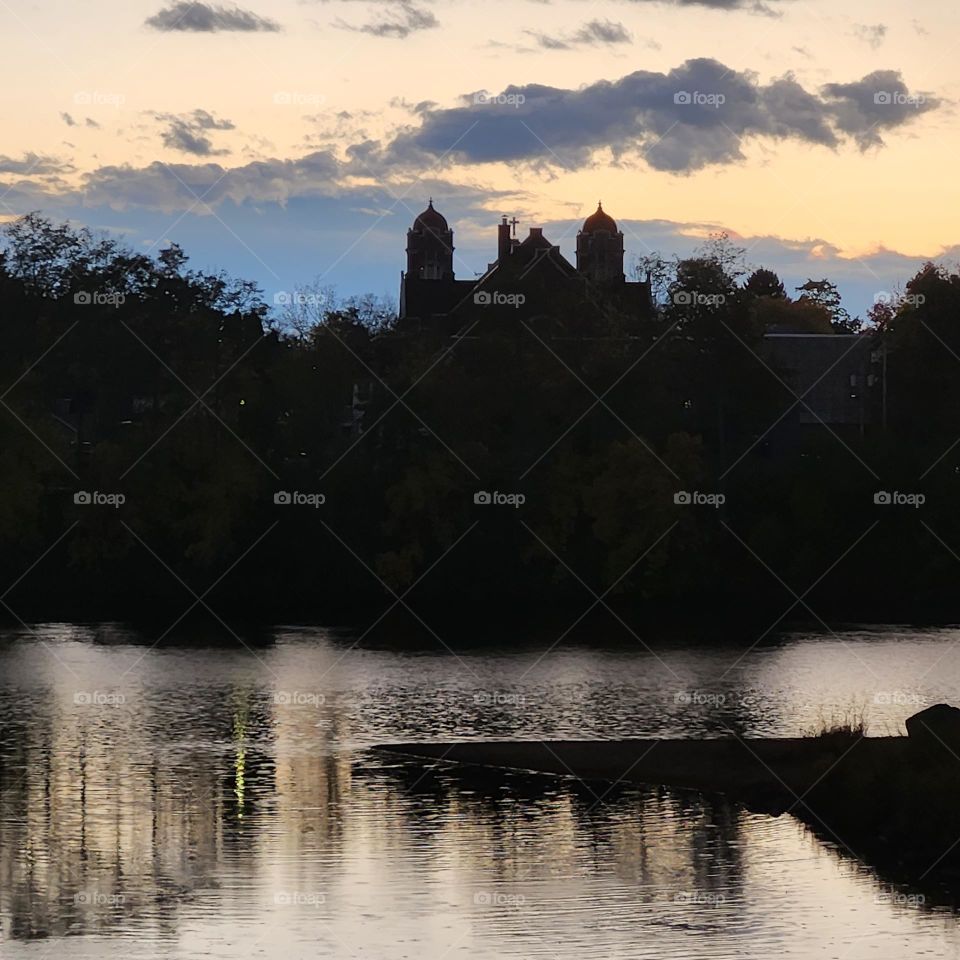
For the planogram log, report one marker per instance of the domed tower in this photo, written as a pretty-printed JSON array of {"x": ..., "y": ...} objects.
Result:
[
  {"x": 600, "y": 248},
  {"x": 430, "y": 247}
]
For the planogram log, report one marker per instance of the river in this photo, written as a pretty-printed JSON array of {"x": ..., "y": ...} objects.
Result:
[{"x": 220, "y": 801}]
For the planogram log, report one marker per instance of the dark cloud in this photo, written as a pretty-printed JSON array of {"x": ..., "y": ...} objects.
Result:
[
  {"x": 178, "y": 186},
  {"x": 697, "y": 115},
  {"x": 70, "y": 121},
  {"x": 423, "y": 106},
  {"x": 404, "y": 19},
  {"x": 35, "y": 164},
  {"x": 602, "y": 31},
  {"x": 188, "y": 132},
  {"x": 196, "y": 17},
  {"x": 752, "y": 6},
  {"x": 592, "y": 33},
  {"x": 880, "y": 101}
]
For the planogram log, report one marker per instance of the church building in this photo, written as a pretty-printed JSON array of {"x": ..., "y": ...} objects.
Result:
[{"x": 529, "y": 279}]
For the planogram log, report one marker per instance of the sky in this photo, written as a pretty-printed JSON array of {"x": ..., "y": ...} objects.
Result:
[{"x": 294, "y": 142}]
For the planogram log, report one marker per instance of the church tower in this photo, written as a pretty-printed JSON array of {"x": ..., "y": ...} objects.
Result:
[
  {"x": 430, "y": 247},
  {"x": 600, "y": 248}
]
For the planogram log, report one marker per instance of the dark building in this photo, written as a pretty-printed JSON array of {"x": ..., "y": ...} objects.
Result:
[
  {"x": 839, "y": 378},
  {"x": 529, "y": 279}
]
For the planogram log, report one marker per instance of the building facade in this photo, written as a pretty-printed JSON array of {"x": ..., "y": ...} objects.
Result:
[{"x": 529, "y": 278}]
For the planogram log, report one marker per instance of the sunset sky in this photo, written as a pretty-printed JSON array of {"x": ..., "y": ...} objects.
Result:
[{"x": 295, "y": 141}]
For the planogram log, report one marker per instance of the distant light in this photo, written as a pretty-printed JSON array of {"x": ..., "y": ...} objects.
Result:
[{"x": 243, "y": 403}]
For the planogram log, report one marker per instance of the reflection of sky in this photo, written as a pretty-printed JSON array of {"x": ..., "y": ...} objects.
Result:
[{"x": 221, "y": 803}]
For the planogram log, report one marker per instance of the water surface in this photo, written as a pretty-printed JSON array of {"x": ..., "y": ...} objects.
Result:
[{"x": 170, "y": 802}]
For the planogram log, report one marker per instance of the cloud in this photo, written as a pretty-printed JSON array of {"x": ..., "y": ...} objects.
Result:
[
  {"x": 34, "y": 164},
  {"x": 177, "y": 186},
  {"x": 404, "y": 20},
  {"x": 880, "y": 101},
  {"x": 872, "y": 34},
  {"x": 188, "y": 132},
  {"x": 70, "y": 121},
  {"x": 751, "y": 6},
  {"x": 697, "y": 115},
  {"x": 196, "y": 17},
  {"x": 592, "y": 33}
]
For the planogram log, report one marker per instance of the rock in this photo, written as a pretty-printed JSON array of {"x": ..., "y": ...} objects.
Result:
[{"x": 936, "y": 729}]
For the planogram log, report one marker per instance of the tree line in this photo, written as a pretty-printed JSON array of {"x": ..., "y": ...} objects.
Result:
[{"x": 317, "y": 459}]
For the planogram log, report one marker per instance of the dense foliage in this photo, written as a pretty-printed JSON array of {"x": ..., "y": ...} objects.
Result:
[{"x": 184, "y": 393}]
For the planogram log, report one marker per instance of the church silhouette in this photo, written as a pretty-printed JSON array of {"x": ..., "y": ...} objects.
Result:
[{"x": 530, "y": 278}]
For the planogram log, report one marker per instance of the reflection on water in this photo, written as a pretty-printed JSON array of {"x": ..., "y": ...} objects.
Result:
[{"x": 224, "y": 803}]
